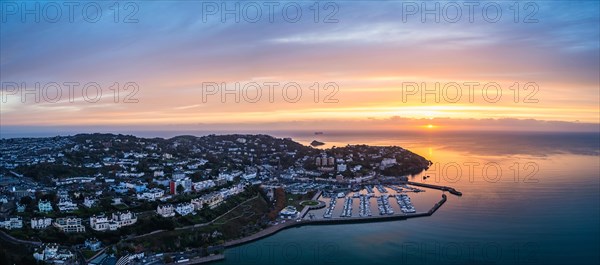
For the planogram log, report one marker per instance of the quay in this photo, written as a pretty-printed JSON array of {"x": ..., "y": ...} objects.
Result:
[
  {"x": 442, "y": 188},
  {"x": 201, "y": 260}
]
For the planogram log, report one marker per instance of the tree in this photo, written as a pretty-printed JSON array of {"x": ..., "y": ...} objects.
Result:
[
  {"x": 25, "y": 200},
  {"x": 180, "y": 189}
]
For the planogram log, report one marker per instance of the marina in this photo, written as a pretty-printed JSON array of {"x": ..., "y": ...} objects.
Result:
[
  {"x": 370, "y": 200},
  {"x": 383, "y": 204},
  {"x": 347, "y": 211},
  {"x": 364, "y": 206},
  {"x": 405, "y": 203},
  {"x": 329, "y": 211}
]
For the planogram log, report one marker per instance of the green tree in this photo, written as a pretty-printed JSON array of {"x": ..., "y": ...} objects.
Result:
[{"x": 180, "y": 189}]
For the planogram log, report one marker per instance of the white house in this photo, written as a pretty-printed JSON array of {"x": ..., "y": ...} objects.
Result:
[
  {"x": 387, "y": 162},
  {"x": 342, "y": 167},
  {"x": 41, "y": 223},
  {"x": 69, "y": 225},
  {"x": 12, "y": 223},
  {"x": 203, "y": 185},
  {"x": 166, "y": 210},
  {"x": 212, "y": 200},
  {"x": 52, "y": 252},
  {"x": 124, "y": 218},
  {"x": 151, "y": 195},
  {"x": 101, "y": 223},
  {"x": 184, "y": 209},
  {"x": 66, "y": 205},
  {"x": 89, "y": 202},
  {"x": 118, "y": 220}
]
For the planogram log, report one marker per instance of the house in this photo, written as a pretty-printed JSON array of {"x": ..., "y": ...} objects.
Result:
[
  {"x": 93, "y": 244},
  {"x": 116, "y": 201},
  {"x": 184, "y": 209},
  {"x": 51, "y": 253},
  {"x": 46, "y": 252},
  {"x": 124, "y": 218},
  {"x": 89, "y": 202},
  {"x": 289, "y": 212},
  {"x": 186, "y": 183},
  {"x": 66, "y": 205},
  {"x": 203, "y": 185},
  {"x": 41, "y": 223},
  {"x": 12, "y": 223},
  {"x": 69, "y": 225},
  {"x": 102, "y": 223},
  {"x": 387, "y": 162},
  {"x": 63, "y": 194},
  {"x": 166, "y": 210},
  {"x": 212, "y": 200},
  {"x": 20, "y": 207},
  {"x": 151, "y": 195},
  {"x": 117, "y": 220},
  {"x": 44, "y": 206}
]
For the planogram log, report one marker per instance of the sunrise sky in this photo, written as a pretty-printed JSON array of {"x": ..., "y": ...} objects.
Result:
[{"x": 371, "y": 54}]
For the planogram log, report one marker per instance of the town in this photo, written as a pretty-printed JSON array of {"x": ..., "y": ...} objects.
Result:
[{"x": 116, "y": 199}]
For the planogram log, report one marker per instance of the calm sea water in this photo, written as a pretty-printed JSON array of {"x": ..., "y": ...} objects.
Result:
[{"x": 528, "y": 199}]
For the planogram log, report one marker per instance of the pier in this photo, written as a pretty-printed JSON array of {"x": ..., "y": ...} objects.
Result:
[{"x": 442, "y": 188}]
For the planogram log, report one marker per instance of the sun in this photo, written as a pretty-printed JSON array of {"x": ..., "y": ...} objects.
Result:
[{"x": 430, "y": 127}]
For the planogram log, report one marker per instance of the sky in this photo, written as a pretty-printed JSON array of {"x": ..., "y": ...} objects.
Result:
[{"x": 344, "y": 65}]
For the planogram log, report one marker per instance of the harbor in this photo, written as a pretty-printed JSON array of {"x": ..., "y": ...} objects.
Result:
[
  {"x": 379, "y": 199},
  {"x": 364, "y": 215},
  {"x": 382, "y": 218}
]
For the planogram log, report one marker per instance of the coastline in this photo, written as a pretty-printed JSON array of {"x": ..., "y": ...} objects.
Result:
[{"x": 275, "y": 229}]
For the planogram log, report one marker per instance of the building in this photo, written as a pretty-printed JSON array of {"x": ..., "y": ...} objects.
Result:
[
  {"x": 62, "y": 194},
  {"x": 212, "y": 200},
  {"x": 93, "y": 244},
  {"x": 44, "y": 206},
  {"x": 124, "y": 218},
  {"x": 41, "y": 223},
  {"x": 89, "y": 202},
  {"x": 184, "y": 209},
  {"x": 166, "y": 210},
  {"x": 387, "y": 162},
  {"x": 226, "y": 193},
  {"x": 69, "y": 225},
  {"x": 151, "y": 195},
  {"x": 12, "y": 223},
  {"x": 342, "y": 167},
  {"x": 203, "y": 185},
  {"x": 186, "y": 183},
  {"x": 20, "y": 207},
  {"x": 289, "y": 212},
  {"x": 66, "y": 205},
  {"x": 117, "y": 220},
  {"x": 52, "y": 253},
  {"x": 102, "y": 223}
]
